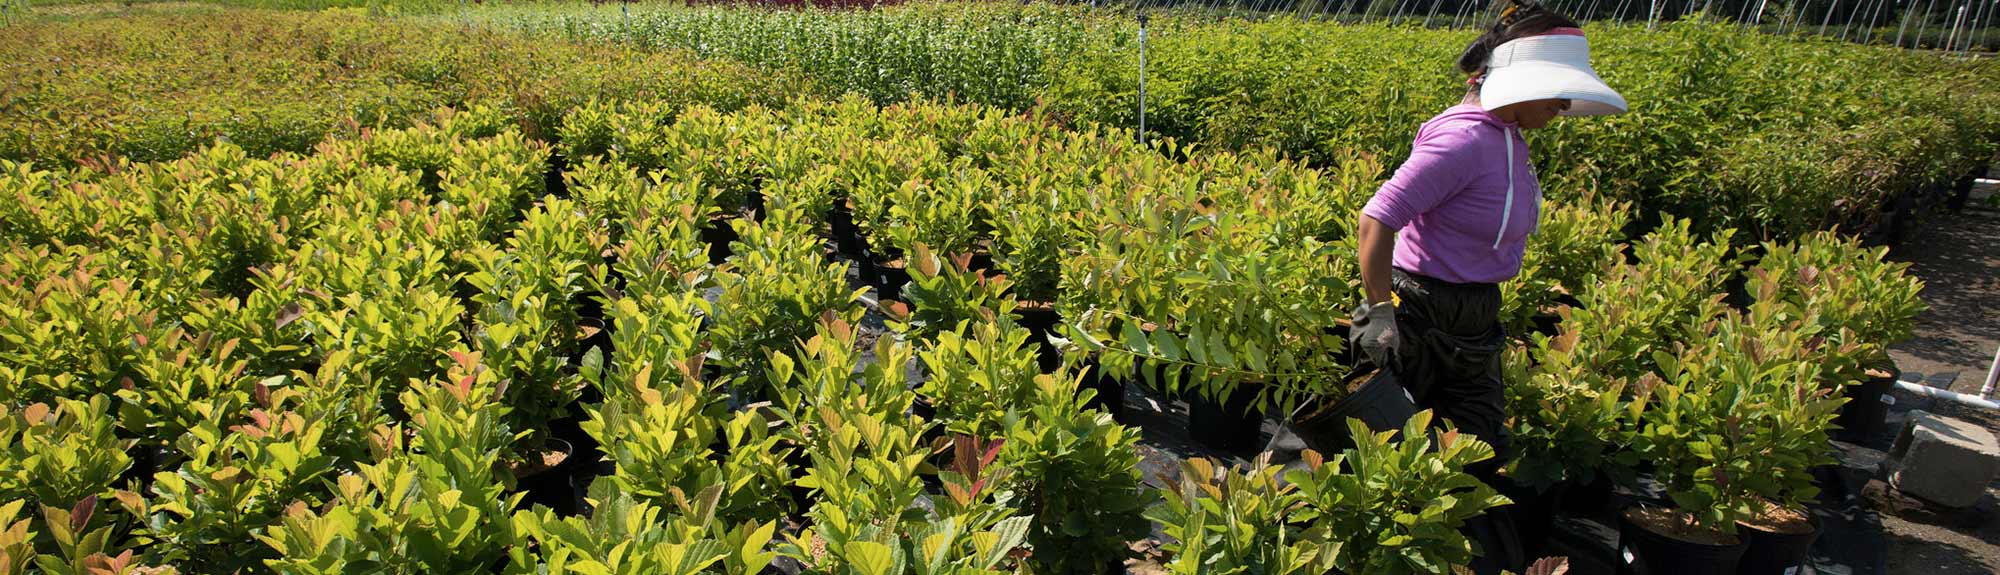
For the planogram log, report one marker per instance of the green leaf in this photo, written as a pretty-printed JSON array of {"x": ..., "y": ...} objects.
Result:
[{"x": 871, "y": 558}]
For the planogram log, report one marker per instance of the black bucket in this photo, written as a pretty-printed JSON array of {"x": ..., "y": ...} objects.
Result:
[
  {"x": 1379, "y": 402},
  {"x": 1862, "y": 418},
  {"x": 1774, "y": 553},
  {"x": 556, "y": 487},
  {"x": 1586, "y": 498},
  {"x": 1643, "y": 552},
  {"x": 1231, "y": 425}
]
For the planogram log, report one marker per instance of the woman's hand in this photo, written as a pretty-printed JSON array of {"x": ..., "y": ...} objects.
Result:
[{"x": 1375, "y": 332}]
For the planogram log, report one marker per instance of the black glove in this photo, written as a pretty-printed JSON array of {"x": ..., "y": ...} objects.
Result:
[{"x": 1374, "y": 332}]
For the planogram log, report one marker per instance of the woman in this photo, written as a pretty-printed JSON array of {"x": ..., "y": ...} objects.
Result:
[
  {"x": 1453, "y": 223},
  {"x": 1454, "y": 220}
]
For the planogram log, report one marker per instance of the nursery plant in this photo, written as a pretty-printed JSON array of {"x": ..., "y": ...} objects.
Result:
[
  {"x": 1853, "y": 293},
  {"x": 1226, "y": 519},
  {"x": 945, "y": 293},
  {"x": 778, "y": 289},
  {"x": 1390, "y": 506},
  {"x": 1077, "y": 473},
  {"x": 979, "y": 376},
  {"x": 62, "y": 453}
]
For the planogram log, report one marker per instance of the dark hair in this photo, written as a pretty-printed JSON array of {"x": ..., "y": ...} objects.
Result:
[{"x": 1519, "y": 19}]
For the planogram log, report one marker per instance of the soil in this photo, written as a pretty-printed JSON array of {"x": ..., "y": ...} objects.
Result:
[
  {"x": 535, "y": 463},
  {"x": 1777, "y": 519},
  {"x": 1958, "y": 257},
  {"x": 1677, "y": 525}
]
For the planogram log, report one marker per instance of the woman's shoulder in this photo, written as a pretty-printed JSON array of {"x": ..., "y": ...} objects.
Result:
[{"x": 1464, "y": 123}]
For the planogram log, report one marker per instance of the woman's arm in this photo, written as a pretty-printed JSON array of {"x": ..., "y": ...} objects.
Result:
[{"x": 1378, "y": 247}]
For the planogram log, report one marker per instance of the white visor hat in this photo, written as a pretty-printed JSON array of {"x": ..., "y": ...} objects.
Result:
[{"x": 1554, "y": 65}]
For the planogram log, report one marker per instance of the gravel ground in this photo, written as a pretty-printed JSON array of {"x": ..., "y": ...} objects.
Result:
[{"x": 1958, "y": 257}]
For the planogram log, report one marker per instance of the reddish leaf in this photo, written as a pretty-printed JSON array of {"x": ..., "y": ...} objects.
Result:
[
  {"x": 290, "y": 313},
  {"x": 79, "y": 516}
]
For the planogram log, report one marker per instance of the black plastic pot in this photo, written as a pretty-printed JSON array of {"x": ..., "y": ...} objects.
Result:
[
  {"x": 1379, "y": 402},
  {"x": 1861, "y": 419},
  {"x": 718, "y": 235},
  {"x": 1533, "y": 513},
  {"x": 1110, "y": 396},
  {"x": 147, "y": 460},
  {"x": 889, "y": 280},
  {"x": 1040, "y": 320},
  {"x": 555, "y": 487},
  {"x": 1773, "y": 553},
  {"x": 1231, "y": 425},
  {"x": 1586, "y": 498},
  {"x": 753, "y": 204},
  {"x": 846, "y": 238},
  {"x": 1643, "y": 552},
  {"x": 980, "y": 262},
  {"x": 1961, "y": 191}
]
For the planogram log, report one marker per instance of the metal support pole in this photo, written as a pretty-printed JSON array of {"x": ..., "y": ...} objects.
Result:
[
  {"x": 1142, "y": 79},
  {"x": 1653, "y": 15},
  {"x": 1828, "y": 20},
  {"x": 1923, "y": 22},
  {"x": 1951, "y": 39},
  {"x": 1908, "y": 13},
  {"x": 1758, "y": 18},
  {"x": 1875, "y": 12},
  {"x": 1971, "y": 28}
]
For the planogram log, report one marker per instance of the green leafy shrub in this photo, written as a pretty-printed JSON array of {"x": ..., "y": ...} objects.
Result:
[
  {"x": 1854, "y": 294},
  {"x": 626, "y": 535},
  {"x": 234, "y": 482},
  {"x": 776, "y": 293},
  {"x": 433, "y": 502},
  {"x": 978, "y": 375},
  {"x": 62, "y": 454},
  {"x": 942, "y": 295},
  {"x": 1077, "y": 473},
  {"x": 1231, "y": 520},
  {"x": 1397, "y": 506}
]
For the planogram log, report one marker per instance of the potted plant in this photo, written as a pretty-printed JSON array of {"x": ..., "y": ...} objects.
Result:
[
  {"x": 436, "y": 493},
  {"x": 1395, "y": 506},
  {"x": 944, "y": 294},
  {"x": 1704, "y": 455},
  {"x": 1853, "y": 294},
  {"x": 1572, "y": 425},
  {"x": 1029, "y": 246},
  {"x": 772, "y": 297},
  {"x": 1228, "y": 519},
  {"x": 1790, "y": 422},
  {"x": 1077, "y": 473},
  {"x": 979, "y": 375}
]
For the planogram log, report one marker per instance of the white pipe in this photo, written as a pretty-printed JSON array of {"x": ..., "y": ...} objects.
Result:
[
  {"x": 1928, "y": 391},
  {"x": 1992, "y": 374}
]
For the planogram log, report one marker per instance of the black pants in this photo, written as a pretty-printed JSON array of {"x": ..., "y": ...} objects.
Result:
[
  {"x": 1449, "y": 355},
  {"x": 1449, "y": 360}
]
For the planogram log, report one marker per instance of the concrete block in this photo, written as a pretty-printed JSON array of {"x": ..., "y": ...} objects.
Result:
[{"x": 1943, "y": 460}]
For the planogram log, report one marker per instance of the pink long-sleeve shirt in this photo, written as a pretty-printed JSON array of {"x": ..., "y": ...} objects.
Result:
[{"x": 1456, "y": 217}]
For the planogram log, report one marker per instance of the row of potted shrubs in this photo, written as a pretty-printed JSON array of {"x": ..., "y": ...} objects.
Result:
[{"x": 408, "y": 313}]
